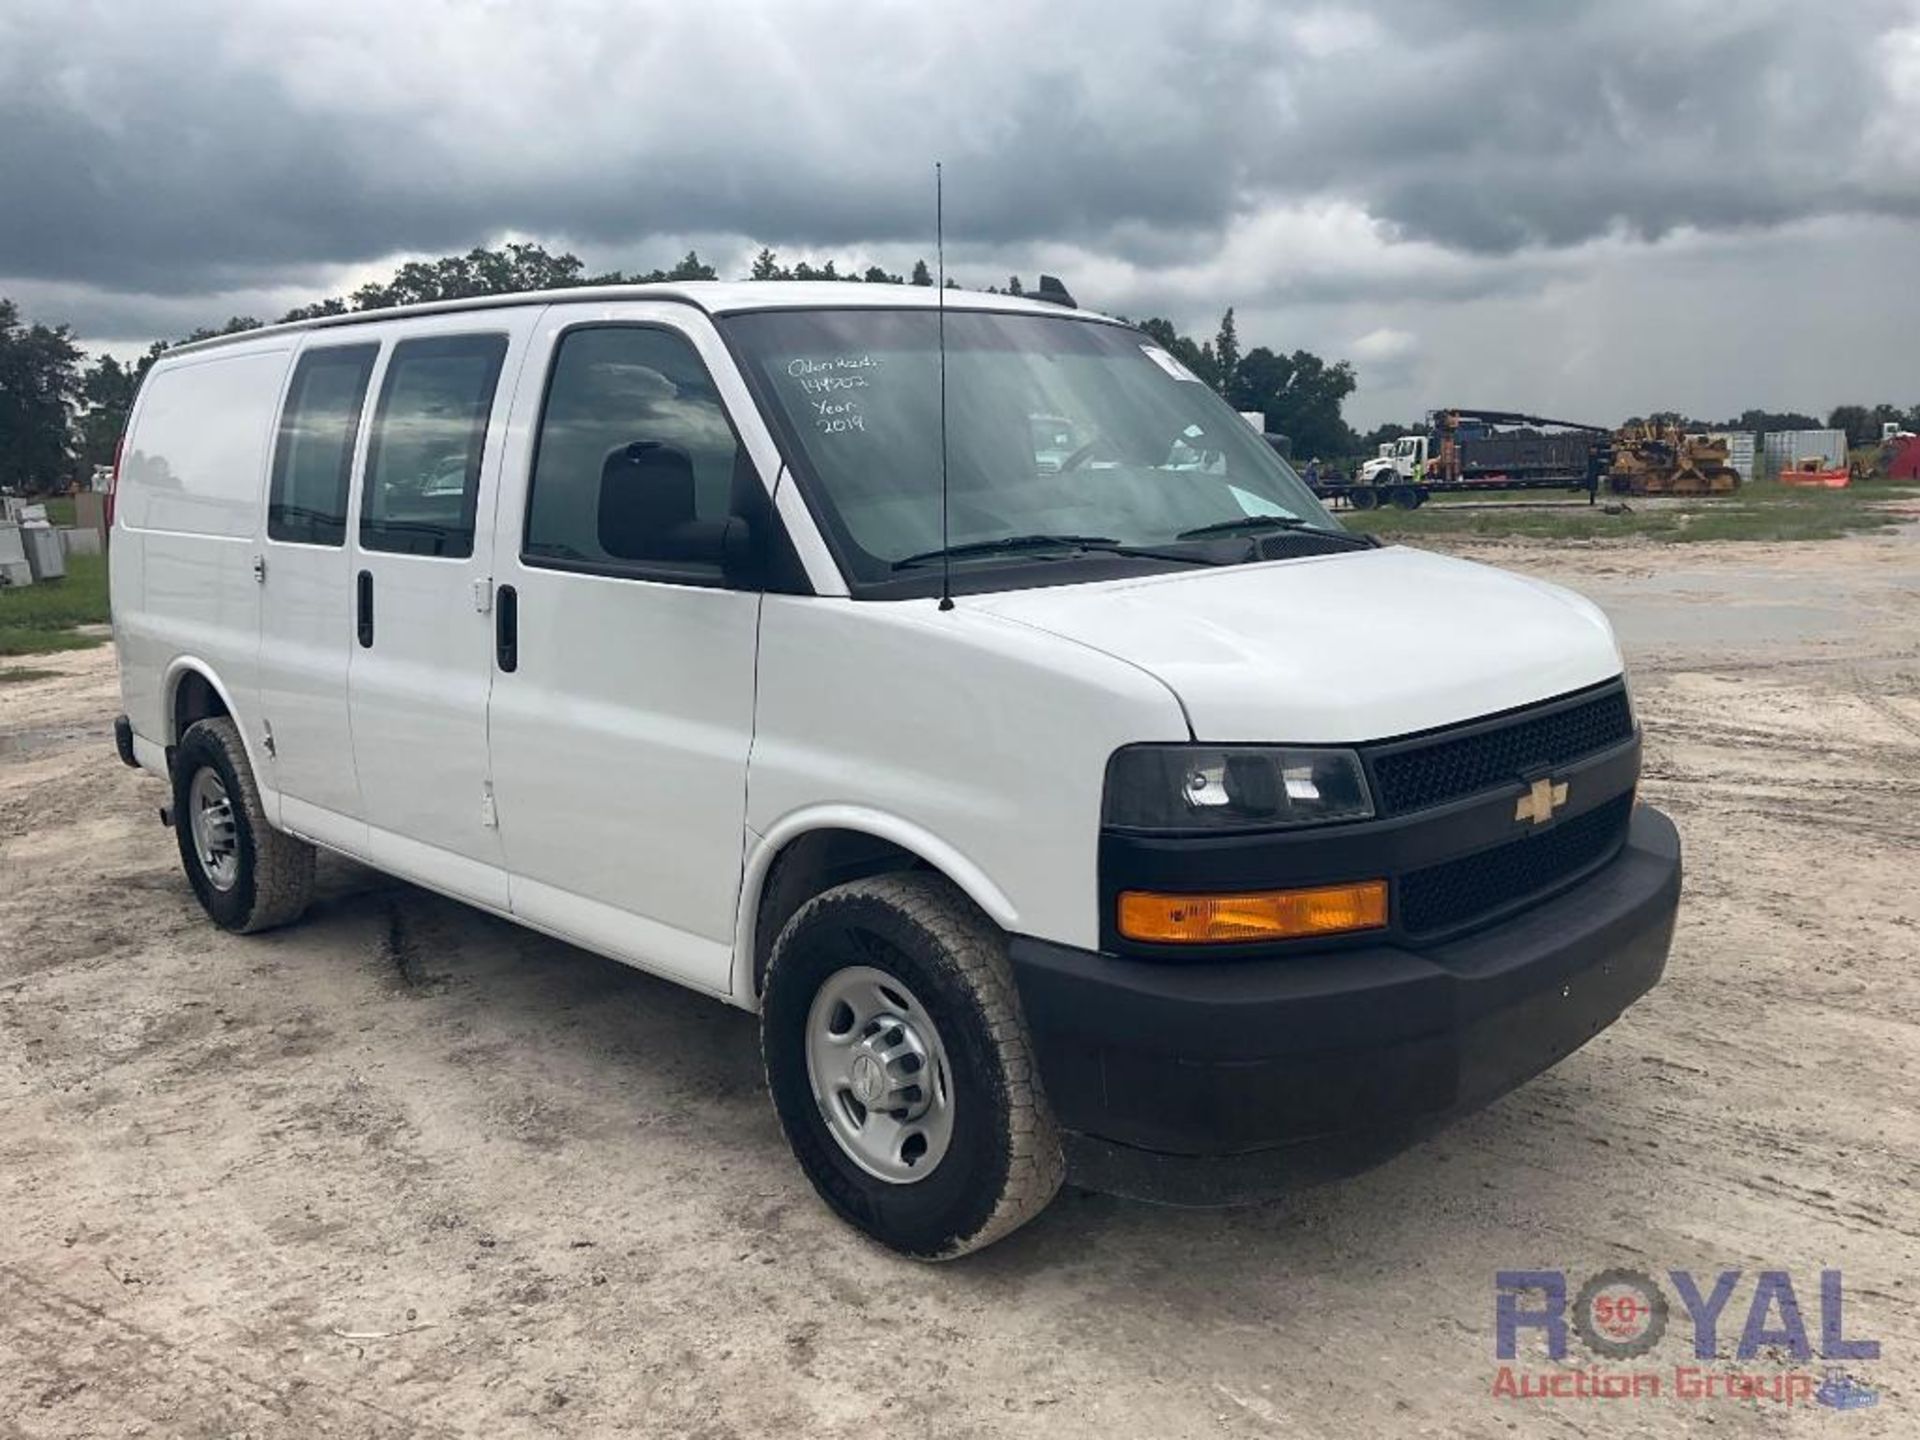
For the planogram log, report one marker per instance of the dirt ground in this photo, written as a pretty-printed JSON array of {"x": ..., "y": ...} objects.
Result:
[{"x": 405, "y": 1169}]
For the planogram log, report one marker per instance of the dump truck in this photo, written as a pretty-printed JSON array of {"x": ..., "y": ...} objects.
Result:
[{"x": 1465, "y": 450}]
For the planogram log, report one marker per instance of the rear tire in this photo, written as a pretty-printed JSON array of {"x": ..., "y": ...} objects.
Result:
[
  {"x": 1363, "y": 497},
  {"x": 934, "y": 970},
  {"x": 248, "y": 876}
]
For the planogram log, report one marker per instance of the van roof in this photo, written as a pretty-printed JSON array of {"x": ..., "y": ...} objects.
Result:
[{"x": 716, "y": 297}]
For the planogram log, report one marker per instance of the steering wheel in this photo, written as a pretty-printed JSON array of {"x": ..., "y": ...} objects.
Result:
[{"x": 1085, "y": 453}]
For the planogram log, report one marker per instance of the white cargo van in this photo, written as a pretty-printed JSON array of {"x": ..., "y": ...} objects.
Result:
[{"x": 1107, "y": 812}]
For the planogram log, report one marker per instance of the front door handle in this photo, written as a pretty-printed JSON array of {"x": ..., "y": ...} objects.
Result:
[
  {"x": 506, "y": 628},
  {"x": 363, "y": 609}
]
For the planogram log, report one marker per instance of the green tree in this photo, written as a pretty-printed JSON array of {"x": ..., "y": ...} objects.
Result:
[
  {"x": 1258, "y": 376},
  {"x": 39, "y": 383},
  {"x": 691, "y": 267},
  {"x": 1196, "y": 358},
  {"x": 1370, "y": 443},
  {"x": 1301, "y": 395},
  {"x": 1857, "y": 421},
  {"x": 1661, "y": 419},
  {"x": 766, "y": 266},
  {"x": 1226, "y": 355},
  {"x": 513, "y": 269},
  {"x": 1768, "y": 421},
  {"x": 332, "y": 305},
  {"x": 106, "y": 398},
  {"x": 922, "y": 275}
]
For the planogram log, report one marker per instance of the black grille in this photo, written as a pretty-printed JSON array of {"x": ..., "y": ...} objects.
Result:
[
  {"x": 1458, "y": 892},
  {"x": 1449, "y": 767}
]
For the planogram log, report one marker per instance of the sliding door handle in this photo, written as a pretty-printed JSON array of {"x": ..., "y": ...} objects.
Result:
[
  {"x": 506, "y": 628},
  {"x": 363, "y": 609}
]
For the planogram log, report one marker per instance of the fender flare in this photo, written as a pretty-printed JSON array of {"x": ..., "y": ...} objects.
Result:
[
  {"x": 883, "y": 825},
  {"x": 177, "y": 670}
]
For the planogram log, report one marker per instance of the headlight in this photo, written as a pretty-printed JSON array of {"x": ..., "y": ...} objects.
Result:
[{"x": 1233, "y": 787}]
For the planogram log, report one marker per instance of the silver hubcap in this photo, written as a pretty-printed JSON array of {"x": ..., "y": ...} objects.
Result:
[
  {"x": 880, "y": 1074},
  {"x": 210, "y": 818}
]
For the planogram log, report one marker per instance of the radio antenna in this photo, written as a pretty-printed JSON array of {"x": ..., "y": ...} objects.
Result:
[{"x": 940, "y": 312}]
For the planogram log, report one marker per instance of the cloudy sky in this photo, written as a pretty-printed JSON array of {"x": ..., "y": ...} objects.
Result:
[{"x": 1586, "y": 209}]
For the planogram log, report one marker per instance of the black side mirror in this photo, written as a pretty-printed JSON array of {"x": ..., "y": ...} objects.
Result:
[{"x": 727, "y": 543}]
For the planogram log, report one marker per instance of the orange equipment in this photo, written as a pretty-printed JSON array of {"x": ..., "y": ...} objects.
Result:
[{"x": 1814, "y": 472}]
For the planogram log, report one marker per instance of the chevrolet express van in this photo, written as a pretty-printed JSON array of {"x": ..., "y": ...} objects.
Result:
[{"x": 968, "y": 691}]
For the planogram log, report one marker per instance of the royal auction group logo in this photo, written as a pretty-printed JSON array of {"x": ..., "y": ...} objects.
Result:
[{"x": 1620, "y": 1316}]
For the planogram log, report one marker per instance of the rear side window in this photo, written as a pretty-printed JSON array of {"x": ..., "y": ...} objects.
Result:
[
  {"x": 423, "y": 461},
  {"x": 636, "y": 460},
  {"x": 196, "y": 460},
  {"x": 313, "y": 461}
]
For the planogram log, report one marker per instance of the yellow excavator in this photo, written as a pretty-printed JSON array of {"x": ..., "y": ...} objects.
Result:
[{"x": 1650, "y": 459}]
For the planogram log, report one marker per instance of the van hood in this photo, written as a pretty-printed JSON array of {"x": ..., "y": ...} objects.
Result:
[{"x": 1336, "y": 648}]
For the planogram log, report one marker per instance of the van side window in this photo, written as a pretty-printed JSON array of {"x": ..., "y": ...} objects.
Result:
[
  {"x": 635, "y": 461},
  {"x": 313, "y": 460},
  {"x": 423, "y": 461}
]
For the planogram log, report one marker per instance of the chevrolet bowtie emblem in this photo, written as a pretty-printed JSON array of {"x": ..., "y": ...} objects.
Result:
[{"x": 1539, "y": 803}]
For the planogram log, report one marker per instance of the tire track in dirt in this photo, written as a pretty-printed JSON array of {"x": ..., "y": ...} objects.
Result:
[{"x": 62, "y": 1345}]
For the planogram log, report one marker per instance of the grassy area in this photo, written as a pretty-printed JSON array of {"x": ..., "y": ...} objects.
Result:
[
  {"x": 59, "y": 510},
  {"x": 1757, "y": 512},
  {"x": 35, "y": 619},
  {"x": 14, "y": 674}
]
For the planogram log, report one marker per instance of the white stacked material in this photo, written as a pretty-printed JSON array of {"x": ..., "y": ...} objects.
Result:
[
  {"x": 14, "y": 569},
  {"x": 45, "y": 553},
  {"x": 23, "y": 512}
]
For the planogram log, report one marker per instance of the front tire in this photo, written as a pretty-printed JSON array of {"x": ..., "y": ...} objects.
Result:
[
  {"x": 248, "y": 876},
  {"x": 901, "y": 1070}
]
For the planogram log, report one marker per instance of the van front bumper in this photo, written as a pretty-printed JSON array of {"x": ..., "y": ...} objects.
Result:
[{"x": 1223, "y": 1082}]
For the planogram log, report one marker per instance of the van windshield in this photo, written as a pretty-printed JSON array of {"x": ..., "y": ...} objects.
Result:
[{"x": 1056, "y": 427}]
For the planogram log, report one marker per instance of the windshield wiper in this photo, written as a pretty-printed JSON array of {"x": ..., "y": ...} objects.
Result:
[
  {"x": 1005, "y": 544},
  {"x": 1253, "y": 524}
]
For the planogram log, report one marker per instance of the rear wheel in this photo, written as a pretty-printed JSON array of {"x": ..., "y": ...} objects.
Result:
[
  {"x": 1363, "y": 497},
  {"x": 1407, "y": 497},
  {"x": 247, "y": 875},
  {"x": 900, "y": 1067}
]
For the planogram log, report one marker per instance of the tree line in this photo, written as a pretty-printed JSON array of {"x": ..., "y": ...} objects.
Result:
[{"x": 61, "y": 414}]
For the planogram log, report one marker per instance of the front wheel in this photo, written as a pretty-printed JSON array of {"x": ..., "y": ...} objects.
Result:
[
  {"x": 247, "y": 875},
  {"x": 901, "y": 1070}
]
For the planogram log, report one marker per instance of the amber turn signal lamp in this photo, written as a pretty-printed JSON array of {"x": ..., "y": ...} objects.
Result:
[{"x": 1262, "y": 915}]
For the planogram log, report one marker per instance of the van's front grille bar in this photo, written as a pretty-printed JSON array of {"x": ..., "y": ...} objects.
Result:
[
  {"x": 1424, "y": 771},
  {"x": 1460, "y": 892}
]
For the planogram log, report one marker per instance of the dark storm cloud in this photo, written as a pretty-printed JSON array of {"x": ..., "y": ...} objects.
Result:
[
  {"x": 150, "y": 151},
  {"x": 249, "y": 145},
  {"x": 1638, "y": 115}
]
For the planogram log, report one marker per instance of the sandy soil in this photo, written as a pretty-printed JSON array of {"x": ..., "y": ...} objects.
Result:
[{"x": 406, "y": 1169}]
